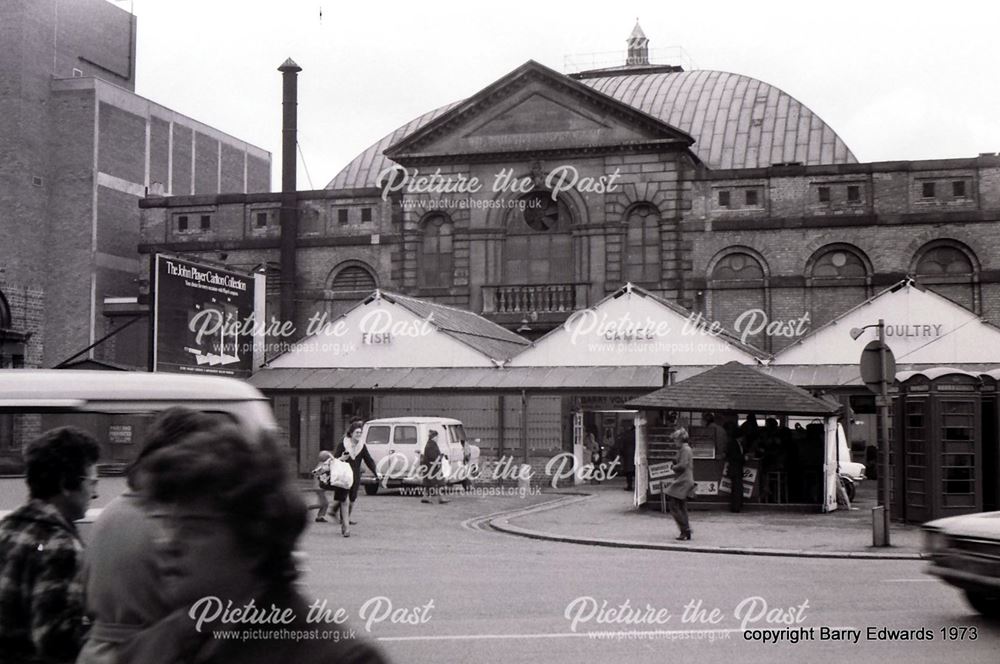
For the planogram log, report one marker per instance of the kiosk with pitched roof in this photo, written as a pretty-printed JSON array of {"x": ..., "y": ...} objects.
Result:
[{"x": 732, "y": 390}]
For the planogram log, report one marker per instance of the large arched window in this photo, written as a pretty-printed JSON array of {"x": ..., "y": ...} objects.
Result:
[
  {"x": 642, "y": 245},
  {"x": 354, "y": 279},
  {"x": 435, "y": 259},
  {"x": 539, "y": 247},
  {"x": 349, "y": 283},
  {"x": 838, "y": 276},
  {"x": 737, "y": 284},
  {"x": 949, "y": 268},
  {"x": 5, "y": 321},
  {"x": 737, "y": 269}
]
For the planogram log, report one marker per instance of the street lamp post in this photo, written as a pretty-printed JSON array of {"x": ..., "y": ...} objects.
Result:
[{"x": 876, "y": 371}]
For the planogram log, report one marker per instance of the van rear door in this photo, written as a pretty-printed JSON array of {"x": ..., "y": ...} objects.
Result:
[{"x": 404, "y": 442}]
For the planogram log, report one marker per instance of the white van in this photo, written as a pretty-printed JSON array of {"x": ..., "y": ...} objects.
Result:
[{"x": 396, "y": 444}]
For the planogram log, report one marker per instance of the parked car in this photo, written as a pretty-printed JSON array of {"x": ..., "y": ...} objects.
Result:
[
  {"x": 964, "y": 551},
  {"x": 396, "y": 444}
]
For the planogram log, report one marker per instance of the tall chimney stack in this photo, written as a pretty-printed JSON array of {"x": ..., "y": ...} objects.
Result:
[{"x": 289, "y": 216}]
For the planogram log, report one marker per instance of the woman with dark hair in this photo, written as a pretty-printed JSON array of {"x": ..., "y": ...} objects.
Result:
[
  {"x": 352, "y": 450},
  {"x": 230, "y": 517},
  {"x": 123, "y": 586}
]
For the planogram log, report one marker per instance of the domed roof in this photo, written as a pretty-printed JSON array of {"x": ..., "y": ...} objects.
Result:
[{"x": 736, "y": 121}]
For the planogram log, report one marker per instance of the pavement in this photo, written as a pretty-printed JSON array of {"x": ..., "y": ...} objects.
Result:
[{"x": 603, "y": 515}]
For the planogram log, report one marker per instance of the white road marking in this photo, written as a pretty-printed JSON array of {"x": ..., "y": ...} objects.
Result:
[{"x": 609, "y": 635}]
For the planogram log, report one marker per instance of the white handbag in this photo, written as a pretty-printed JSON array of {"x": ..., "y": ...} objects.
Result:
[
  {"x": 445, "y": 468},
  {"x": 341, "y": 474}
]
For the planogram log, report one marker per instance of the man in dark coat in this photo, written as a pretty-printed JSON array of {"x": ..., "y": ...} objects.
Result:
[
  {"x": 735, "y": 454},
  {"x": 625, "y": 448},
  {"x": 430, "y": 463}
]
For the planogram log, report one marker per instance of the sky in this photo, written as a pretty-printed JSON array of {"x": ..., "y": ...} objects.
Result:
[{"x": 896, "y": 80}]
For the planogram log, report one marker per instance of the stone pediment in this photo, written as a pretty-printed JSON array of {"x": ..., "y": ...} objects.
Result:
[{"x": 535, "y": 109}]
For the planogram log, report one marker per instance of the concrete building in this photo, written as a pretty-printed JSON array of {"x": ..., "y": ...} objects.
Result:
[
  {"x": 713, "y": 190},
  {"x": 78, "y": 150}
]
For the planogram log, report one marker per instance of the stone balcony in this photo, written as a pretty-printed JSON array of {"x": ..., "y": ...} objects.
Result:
[{"x": 534, "y": 302}]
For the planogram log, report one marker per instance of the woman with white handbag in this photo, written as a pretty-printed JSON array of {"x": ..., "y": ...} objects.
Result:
[{"x": 349, "y": 455}]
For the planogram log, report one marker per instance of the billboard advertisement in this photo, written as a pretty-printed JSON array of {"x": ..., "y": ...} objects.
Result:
[{"x": 203, "y": 318}]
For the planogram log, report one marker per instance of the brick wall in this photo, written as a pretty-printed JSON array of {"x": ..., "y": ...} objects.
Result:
[
  {"x": 27, "y": 314},
  {"x": 159, "y": 153},
  {"x": 183, "y": 145},
  {"x": 122, "y": 146}
]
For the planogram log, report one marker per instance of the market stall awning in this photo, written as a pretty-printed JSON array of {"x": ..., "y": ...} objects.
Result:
[
  {"x": 736, "y": 387},
  {"x": 460, "y": 379}
]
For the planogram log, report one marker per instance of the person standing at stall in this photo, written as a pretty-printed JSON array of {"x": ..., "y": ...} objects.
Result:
[
  {"x": 683, "y": 486},
  {"x": 735, "y": 454},
  {"x": 352, "y": 450},
  {"x": 625, "y": 451}
]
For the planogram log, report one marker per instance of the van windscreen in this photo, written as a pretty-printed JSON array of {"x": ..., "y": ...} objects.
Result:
[{"x": 378, "y": 435}]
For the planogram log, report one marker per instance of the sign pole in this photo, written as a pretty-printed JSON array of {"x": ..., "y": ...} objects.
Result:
[{"x": 884, "y": 408}]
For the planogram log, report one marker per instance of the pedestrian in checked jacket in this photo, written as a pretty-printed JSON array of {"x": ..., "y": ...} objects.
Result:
[{"x": 41, "y": 599}]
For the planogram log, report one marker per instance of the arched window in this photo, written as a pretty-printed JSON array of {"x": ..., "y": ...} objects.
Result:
[
  {"x": 5, "y": 321},
  {"x": 839, "y": 264},
  {"x": 436, "y": 253},
  {"x": 353, "y": 279},
  {"x": 737, "y": 284},
  {"x": 738, "y": 267},
  {"x": 839, "y": 278},
  {"x": 642, "y": 245},
  {"x": 949, "y": 268},
  {"x": 944, "y": 261},
  {"x": 539, "y": 247},
  {"x": 349, "y": 283}
]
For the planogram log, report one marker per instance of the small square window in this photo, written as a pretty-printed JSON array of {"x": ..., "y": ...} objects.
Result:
[
  {"x": 724, "y": 198},
  {"x": 261, "y": 219},
  {"x": 366, "y": 215},
  {"x": 928, "y": 190},
  {"x": 751, "y": 197},
  {"x": 206, "y": 222},
  {"x": 853, "y": 194},
  {"x": 182, "y": 222},
  {"x": 824, "y": 194},
  {"x": 958, "y": 188},
  {"x": 342, "y": 216}
]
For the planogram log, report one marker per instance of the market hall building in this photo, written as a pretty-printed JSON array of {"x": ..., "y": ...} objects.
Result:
[
  {"x": 730, "y": 198},
  {"x": 721, "y": 193}
]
